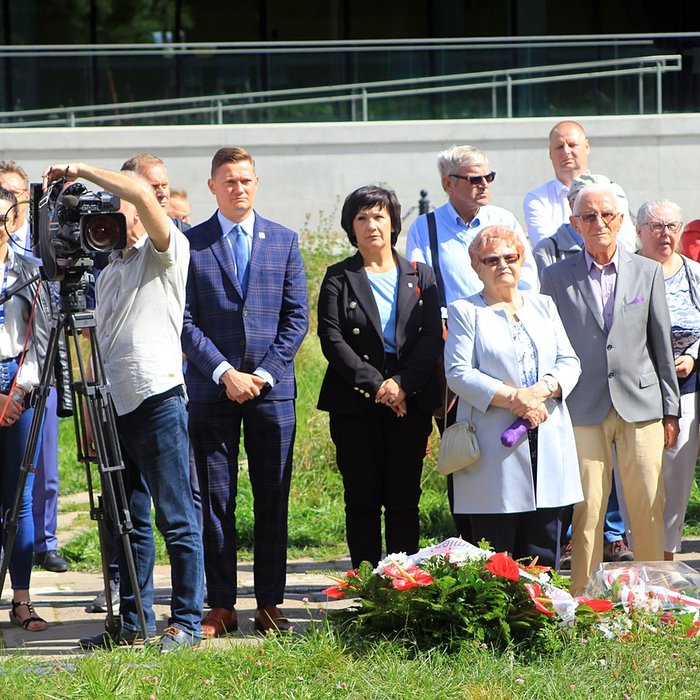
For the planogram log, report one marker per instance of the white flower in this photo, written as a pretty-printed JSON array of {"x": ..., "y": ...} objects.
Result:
[{"x": 400, "y": 558}]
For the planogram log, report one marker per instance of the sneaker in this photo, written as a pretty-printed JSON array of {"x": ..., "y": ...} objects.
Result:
[
  {"x": 175, "y": 638},
  {"x": 104, "y": 640},
  {"x": 565, "y": 557},
  {"x": 99, "y": 603},
  {"x": 617, "y": 551}
]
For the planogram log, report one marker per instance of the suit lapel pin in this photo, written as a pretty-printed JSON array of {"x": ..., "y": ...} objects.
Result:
[
  {"x": 410, "y": 285},
  {"x": 261, "y": 234}
]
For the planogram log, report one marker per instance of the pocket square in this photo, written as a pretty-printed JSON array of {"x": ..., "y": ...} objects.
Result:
[{"x": 637, "y": 300}]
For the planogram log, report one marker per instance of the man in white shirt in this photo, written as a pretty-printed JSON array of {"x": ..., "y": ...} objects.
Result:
[
  {"x": 139, "y": 312},
  {"x": 546, "y": 207}
]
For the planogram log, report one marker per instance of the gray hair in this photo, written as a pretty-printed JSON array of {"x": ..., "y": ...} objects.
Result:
[
  {"x": 596, "y": 189},
  {"x": 651, "y": 208},
  {"x": 455, "y": 157}
]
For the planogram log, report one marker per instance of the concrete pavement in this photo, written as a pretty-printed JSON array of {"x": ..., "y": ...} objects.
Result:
[{"x": 61, "y": 600}]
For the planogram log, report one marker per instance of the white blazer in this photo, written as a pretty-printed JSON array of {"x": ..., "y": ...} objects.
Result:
[{"x": 479, "y": 356}]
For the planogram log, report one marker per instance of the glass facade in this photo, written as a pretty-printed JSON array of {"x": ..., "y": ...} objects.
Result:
[{"x": 250, "y": 49}]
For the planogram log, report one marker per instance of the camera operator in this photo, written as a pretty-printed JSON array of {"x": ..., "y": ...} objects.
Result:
[
  {"x": 20, "y": 316},
  {"x": 139, "y": 311}
]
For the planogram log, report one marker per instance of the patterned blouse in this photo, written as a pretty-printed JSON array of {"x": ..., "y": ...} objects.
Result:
[
  {"x": 685, "y": 318},
  {"x": 525, "y": 352}
]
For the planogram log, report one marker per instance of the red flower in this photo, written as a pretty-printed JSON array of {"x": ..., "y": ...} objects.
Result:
[
  {"x": 338, "y": 591},
  {"x": 535, "y": 569},
  {"x": 598, "y": 605},
  {"x": 535, "y": 593},
  {"x": 341, "y": 588},
  {"x": 502, "y": 565},
  {"x": 695, "y": 629},
  {"x": 410, "y": 577}
]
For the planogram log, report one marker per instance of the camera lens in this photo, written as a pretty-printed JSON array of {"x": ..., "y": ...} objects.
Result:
[{"x": 103, "y": 232}]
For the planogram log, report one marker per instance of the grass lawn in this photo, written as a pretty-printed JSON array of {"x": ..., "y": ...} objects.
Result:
[{"x": 318, "y": 666}]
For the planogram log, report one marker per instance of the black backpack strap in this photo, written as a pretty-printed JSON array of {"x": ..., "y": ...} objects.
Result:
[{"x": 432, "y": 238}]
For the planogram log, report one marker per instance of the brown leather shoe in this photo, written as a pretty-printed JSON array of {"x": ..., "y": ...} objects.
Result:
[
  {"x": 219, "y": 622},
  {"x": 617, "y": 551},
  {"x": 269, "y": 618}
]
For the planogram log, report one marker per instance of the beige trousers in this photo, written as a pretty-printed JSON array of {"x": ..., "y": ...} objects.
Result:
[{"x": 639, "y": 449}]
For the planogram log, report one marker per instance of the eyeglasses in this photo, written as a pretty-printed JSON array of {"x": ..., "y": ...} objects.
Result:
[
  {"x": 592, "y": 217},
  {"x": 476, "y": 179},
  {"x": 658, "y": 226},
  {"x": 494, "y": 260}
]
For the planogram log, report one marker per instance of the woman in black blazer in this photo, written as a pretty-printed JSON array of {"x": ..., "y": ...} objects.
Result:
[{"x": 380, "y": 330}]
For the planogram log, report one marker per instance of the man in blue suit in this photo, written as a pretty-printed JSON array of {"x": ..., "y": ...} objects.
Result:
[{"x": 245, "y": 317}]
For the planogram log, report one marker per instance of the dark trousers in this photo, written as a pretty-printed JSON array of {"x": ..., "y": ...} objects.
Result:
[
  {"x": 380, "y": 458},
  {"x": 268, "y": 436},
  {"x": 522, "y": 535}
]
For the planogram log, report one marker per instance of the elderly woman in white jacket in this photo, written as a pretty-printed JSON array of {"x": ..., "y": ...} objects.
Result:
[{"x": 507, "y": 356}]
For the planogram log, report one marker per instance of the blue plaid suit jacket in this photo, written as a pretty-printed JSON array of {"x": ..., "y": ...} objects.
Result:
[{"x": 264, "y": 329}]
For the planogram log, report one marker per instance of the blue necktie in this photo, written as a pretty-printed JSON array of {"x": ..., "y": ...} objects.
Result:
[{"x": 241, "y": 255}]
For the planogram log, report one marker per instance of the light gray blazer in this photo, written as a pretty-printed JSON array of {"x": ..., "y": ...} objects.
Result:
[
  {"x": 477, "y": 360},
  {"x": 631, "y": 367}
]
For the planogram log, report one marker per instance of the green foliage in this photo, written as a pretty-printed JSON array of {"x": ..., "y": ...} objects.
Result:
[{"x": 459, "y": 603}]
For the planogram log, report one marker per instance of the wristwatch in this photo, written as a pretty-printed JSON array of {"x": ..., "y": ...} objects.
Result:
[{"x": 550, "y": 382}]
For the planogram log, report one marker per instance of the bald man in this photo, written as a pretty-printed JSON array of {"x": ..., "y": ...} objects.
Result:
[{"x": 547, "y": 207}]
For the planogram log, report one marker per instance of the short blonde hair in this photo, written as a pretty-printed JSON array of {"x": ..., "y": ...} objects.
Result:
[{"x": 489, "y": 237}]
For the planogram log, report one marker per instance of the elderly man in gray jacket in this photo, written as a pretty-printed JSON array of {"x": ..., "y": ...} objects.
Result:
[{"x": 613, "y": 306}]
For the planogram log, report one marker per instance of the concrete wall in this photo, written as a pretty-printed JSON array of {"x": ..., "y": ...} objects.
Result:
[{"x": 307, "y": 169}]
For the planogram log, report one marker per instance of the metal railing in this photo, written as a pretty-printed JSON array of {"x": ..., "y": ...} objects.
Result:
[{"x": 357, "y": 94}]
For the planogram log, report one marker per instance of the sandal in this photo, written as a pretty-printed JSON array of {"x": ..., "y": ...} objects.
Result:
[{"x": 15, "y": 619}]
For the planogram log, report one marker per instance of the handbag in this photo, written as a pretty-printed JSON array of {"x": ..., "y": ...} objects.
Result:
[{"x": 459, "y": 448}]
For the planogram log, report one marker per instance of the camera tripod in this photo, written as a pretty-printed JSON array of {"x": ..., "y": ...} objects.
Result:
[{"x": 94, "y": 423}]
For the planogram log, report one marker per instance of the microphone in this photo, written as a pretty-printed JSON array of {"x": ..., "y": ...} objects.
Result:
[{"x": 70, "y": 200}]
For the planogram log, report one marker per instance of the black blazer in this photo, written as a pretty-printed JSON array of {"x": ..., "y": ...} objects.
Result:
[{"x": 352, "y": 340}]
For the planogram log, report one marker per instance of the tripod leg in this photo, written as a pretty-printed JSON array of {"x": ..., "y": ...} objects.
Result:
[{"x": 92, "y": 396}]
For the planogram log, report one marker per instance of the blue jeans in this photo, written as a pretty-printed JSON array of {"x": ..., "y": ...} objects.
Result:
[
  {"x": 13, "y": 440},
  {"x": 155, "y": 449},
  {"x": 45, "y": 489}
]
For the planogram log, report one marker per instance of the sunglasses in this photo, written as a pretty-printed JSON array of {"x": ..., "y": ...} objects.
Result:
[
  {"x": 592, "y": 217},
  {"x": 476, "y": 179},
  {"x": 493, "y": 260}
]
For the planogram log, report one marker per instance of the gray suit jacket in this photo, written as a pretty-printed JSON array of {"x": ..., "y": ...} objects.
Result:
[{"x": 630, "y": 367}]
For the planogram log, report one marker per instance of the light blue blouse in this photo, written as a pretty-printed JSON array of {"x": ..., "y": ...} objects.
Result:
[{"x": 384, "y": 287}]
